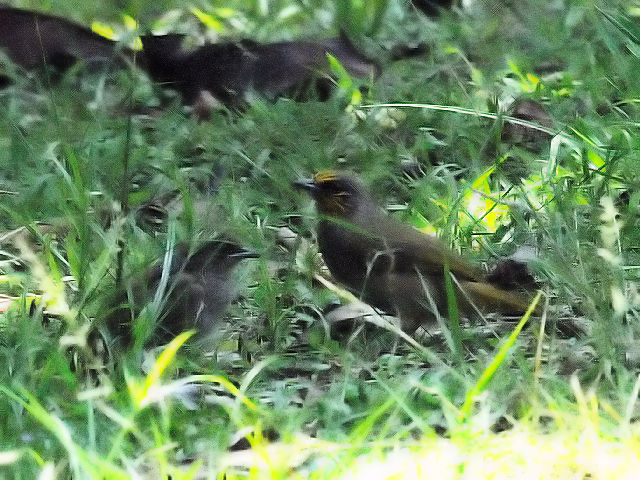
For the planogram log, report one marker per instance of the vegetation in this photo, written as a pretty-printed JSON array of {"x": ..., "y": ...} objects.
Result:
[{"x": 549, "y": 397}]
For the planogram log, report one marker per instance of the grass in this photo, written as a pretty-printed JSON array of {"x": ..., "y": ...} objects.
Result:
[{"x": 551, "y": 397}]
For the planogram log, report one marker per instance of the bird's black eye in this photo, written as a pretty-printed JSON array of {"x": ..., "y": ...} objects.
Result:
[{"x": 336, "y": 188}]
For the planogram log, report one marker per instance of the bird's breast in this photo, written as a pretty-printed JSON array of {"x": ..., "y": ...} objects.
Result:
[
  {"x": 341, "y": 254},
  {"x": 357, "y": 261}
]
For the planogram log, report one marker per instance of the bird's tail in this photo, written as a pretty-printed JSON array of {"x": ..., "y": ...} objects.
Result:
[{"x": 490, "y": 298}]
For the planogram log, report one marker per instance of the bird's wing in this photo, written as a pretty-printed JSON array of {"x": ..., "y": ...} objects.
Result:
[{"x": 425, "y": 252}]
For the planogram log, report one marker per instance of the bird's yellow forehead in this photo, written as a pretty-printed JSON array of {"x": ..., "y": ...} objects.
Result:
[{"x": 325, "y": 176}]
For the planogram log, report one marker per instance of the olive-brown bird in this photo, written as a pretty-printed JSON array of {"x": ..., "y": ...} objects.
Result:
[
  {"x": 199, "y": 288},
  {"x": 393, "y": 266}
]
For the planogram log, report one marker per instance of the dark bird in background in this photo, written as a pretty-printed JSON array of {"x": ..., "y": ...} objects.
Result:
[
  {"x": 392, "y": 266},
  {"x": 34, "y": 40},
  {"x": 229, "y": 70},
  {"x": 527, "y": 137},
  {"x": 199, "y": 288},
  {"x": 222, "y": 72}
]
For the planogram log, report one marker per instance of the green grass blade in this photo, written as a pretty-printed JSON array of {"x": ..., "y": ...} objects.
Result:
[{"x": 491, "y": 369}]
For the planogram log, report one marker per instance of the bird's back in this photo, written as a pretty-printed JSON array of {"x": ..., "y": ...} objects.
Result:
[{"x": 32, "y": 39}]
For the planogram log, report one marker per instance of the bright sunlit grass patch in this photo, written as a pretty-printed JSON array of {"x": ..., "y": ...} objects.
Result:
[
  {"x": 481, "y": 207},
  {"x": 518, "y": 454},
  {"x": 576, "y": 452}
]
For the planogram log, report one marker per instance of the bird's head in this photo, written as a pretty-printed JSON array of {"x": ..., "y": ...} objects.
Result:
[
  {"x": 336, "y": 194},
  {"x": 219, "y": 254}
]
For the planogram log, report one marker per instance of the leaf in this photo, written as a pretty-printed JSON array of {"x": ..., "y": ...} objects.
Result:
[{"x": 207, "y": 19}]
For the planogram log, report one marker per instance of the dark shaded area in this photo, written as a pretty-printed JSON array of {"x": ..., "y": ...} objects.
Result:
[
  {"x": 432, "y": 8},
  {"x": 401, "y": 52},
  {"x": 509, "y": 273}
]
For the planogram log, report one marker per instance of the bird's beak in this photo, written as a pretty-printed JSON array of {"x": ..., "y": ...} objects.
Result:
[
  {"x": 307, "y": 184},
  {"x": 244, "y": 253}
]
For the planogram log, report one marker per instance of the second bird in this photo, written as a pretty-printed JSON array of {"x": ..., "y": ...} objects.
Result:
[
  {"x": 199, "y": 288},
  {"x": 393, "y": 266}
]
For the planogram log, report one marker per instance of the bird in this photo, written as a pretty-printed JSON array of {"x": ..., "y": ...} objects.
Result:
[
  {"x": 391, "y": 265},
  {"x": 199, "y": 287},
  {"x": 227, "y": 71},
  {"x": 527, "y": 137},
  {"x": 34, "y": 39}
]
